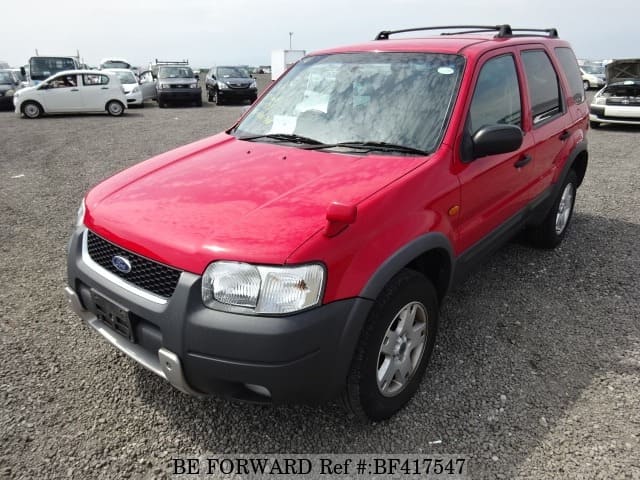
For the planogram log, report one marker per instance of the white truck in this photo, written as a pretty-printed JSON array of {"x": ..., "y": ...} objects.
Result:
[{"x": 283, "y": 59}]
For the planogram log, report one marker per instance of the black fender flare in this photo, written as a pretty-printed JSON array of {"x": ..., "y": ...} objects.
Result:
[{"x": 404, "y": 256}]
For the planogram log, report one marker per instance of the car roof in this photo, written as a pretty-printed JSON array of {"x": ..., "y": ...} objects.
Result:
[
  {"x": 455, "y": 44},
  {"x": 85, "y": 71}
]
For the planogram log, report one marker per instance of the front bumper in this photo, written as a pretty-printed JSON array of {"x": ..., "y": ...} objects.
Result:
[
  {"x": 625, "y": 115},
  {"x": 238, "y": 93},
  {"x": 134, "y": 98},
  {"x": 299, "y": 358},
  {"x": 179, "y": 94}
]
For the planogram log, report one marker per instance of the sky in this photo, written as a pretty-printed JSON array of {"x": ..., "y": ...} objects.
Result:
[{"x": 244, "y": 32}]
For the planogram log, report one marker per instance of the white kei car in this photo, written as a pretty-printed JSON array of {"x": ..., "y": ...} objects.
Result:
[
  {"x": 135, "y": 92},
  {"x": 73, "y": 91}
]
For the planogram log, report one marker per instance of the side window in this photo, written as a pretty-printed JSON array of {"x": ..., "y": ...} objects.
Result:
[
  {"x": 544, "y": 88},
  {"x": 64, "y": 81},
  {"x": 94, "y": 79},
  {"x": 572, "y": 72},
  {"x": 496, "y": 98}
]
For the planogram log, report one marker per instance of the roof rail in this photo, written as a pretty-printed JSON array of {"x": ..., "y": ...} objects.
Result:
[
  {"x": 165, "y": 62},
  {"x": 503, "y": 30}
]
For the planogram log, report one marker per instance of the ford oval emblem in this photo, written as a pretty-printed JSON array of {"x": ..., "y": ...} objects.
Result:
[{"x": 122, "y": 264}]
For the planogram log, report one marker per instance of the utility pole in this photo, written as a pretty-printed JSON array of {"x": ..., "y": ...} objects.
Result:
[{"x": 290, "y": 35}]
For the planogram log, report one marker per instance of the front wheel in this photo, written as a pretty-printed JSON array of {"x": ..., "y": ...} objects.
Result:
[
  {"x": 593, "y": 124},
  {"x": 31, "y": 110},
  {"x": 115, "y": 108},
  {"x": 554, "y": 227},
  {"x": 586, "y": 85},
  {"x": 394, "y": 347}
]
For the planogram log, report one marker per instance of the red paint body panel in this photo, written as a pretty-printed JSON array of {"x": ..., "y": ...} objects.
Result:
[{"x": 226, "y": 199}]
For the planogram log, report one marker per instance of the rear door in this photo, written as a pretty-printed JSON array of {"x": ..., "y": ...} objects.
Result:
[
  {"x": 552, "y": 124},
  {"x": 496, "y": 187},
  {"x": 95, "y": 91}
]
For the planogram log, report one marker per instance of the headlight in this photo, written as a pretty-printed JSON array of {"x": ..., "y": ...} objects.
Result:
[
  {"x": 599, "y": 100},
  {"x": 261, "y": 289},
  {"x": 253, "y": 84},
  {"x": 80, "y": 214},
  {"x": 163, "y": 85},
  {"x": 9, "y": 92},
  {"x": 135, "y": 90},
  {"x": 193, "y": 85},
  {"x": 223, "y": 85}
]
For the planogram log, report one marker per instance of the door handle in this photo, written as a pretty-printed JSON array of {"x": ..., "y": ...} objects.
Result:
[
  {"x": 74, "y": 89},
  {"x": 523, "y": 161},
  {"x": 566, "y": 134},
  {"x": 104, "y": 88}
]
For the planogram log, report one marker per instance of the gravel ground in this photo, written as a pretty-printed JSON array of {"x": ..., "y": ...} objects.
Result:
[{"x": 536, "y": 374}]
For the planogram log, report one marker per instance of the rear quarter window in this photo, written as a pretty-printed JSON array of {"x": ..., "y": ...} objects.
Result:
[{"x": 571, "y": 70}]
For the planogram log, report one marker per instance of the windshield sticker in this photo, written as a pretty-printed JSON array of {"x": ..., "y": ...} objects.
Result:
[
  {"x": 446, "y": 70},
  {"x": 283, "y": 124}
]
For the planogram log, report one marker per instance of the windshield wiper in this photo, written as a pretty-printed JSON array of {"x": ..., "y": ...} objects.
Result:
[
  {"x": 285, "y": 137},
  {"x": 371, "y": 146}
]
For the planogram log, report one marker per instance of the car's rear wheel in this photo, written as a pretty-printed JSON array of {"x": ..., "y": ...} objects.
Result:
[
  {"x": 554, "y": 227},
  {"x": 115, "y": 108},
  {"x": 394, "y": 347},
  {"x": 31, "y": 110}
]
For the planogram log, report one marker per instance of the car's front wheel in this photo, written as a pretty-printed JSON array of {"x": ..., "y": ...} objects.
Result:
[
  {"x": 394, "y": 347},
  {"x": 586, "y": 85},
  {"x": 115, "y": 108},
  {"x": 31, "y": 110}
]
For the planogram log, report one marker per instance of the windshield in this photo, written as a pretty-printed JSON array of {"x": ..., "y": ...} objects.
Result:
[
  {"x": 593, "y": 69},
  {"x": 126, "y": 77},
  {"x": 175, "y": 72},
  {"x": 115, "y": 64},
  {"x": 43, "y": 67},
  {"x": 396, "y": 98},
  {"x": 6, "y": 77},
  {"x": 232, "y": 72}
]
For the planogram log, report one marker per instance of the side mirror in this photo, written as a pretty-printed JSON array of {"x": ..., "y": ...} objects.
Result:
[{"x": 496, "y": 139}]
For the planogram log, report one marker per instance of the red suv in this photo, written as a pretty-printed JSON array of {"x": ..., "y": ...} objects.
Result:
[{"x": 303, "y": 254}]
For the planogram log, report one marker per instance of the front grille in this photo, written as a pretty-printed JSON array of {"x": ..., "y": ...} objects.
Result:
[
  {"x": 624, "y": 102},
  {"x": 179, "y": 86},
  {"x": 145, "y": 273},
  {"x": 239, "y": 85}
]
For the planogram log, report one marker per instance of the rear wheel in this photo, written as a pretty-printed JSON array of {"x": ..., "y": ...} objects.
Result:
[
  {"x": 31, "y": 110},
  {"x": 115, "y": 108},
  {"x": 554, "y": 227},
  {"x": 394, "y": 347}
]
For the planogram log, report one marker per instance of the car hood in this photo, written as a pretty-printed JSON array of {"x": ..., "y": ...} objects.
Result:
[
  {"x": 237, "y": 80},
  {"x": 621, "y": 70},
  {"x": 177, "y": 81},
  {"x": 222, "y": 198}
]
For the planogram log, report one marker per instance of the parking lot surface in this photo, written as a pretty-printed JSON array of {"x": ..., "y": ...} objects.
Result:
[{"x": 536, "y": 372}]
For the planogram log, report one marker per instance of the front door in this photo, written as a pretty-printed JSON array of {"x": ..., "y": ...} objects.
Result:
[
  {"x": 494, "y": 188},
  {"x": 61, "y": 94}
]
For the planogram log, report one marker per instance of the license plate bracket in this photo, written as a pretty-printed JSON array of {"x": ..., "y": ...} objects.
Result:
[{"x": 113, "y": 315}]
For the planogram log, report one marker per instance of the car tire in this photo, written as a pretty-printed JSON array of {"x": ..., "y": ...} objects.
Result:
[
  {"x": 553, "y": 228},
  {"x": 216, "y": 98},
  {"x": 114, "y": 108},
  {"x": 594, "y": 124},
  {"x": 394, "y": 347},
  {"x": 161, "y": 105},
  {"x": 31, "y": 110},
  {"x": 209, "y": 96},
  {"x": 586, "y": 85}
]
